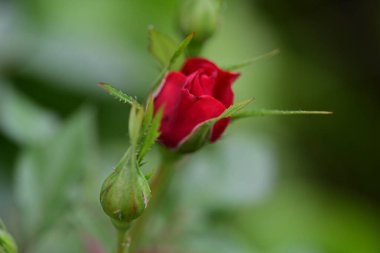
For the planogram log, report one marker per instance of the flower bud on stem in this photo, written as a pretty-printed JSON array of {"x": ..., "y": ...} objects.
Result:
[
  {"x": 125, "y": 193},
  {"x": 200, "y": 17}
]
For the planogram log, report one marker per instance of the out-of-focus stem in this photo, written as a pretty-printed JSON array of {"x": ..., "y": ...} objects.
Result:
[{"x": 158, "y": 186}]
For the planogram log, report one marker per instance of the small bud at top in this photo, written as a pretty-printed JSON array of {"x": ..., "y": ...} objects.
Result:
[{"x": 201, "y": 17}]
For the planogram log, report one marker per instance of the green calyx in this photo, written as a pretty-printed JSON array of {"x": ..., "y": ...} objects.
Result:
[
  {"x": 201, "y": 135},
  {"x": 196, "y": 140}
]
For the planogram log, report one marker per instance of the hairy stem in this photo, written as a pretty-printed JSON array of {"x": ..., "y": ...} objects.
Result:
[{"x": 122, "y": 241}]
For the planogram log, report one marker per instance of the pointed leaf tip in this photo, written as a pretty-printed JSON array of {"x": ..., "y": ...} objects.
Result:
[
  {"x": 265, "y": 112},
  {"x": 180, "y": 50},
  {"x": 162, "y": 47},
  {"x": 118, "y": 94},
  {"x": 248, "y": 62}
]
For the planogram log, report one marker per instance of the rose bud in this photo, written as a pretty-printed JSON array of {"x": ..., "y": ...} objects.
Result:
[
  {"x": 200, "y": 17},
  {"x": 198, "y": 93},
  {"x": 125, "y": 193}
]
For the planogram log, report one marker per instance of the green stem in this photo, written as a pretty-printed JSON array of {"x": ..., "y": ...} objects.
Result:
[
  {"x": 122, "y": 241},
  {"x": 158, "y": 187}
]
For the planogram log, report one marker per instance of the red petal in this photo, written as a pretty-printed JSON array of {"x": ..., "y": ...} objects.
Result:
[
  {"x": 194, "y": 64},
  {"x": 193, "y": 111},
  {"x": 200, "y": 84},
  {"x": 169, "y": 94},
  {"x": 222, "y": 86}
]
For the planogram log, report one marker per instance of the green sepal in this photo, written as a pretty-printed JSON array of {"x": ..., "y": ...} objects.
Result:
[
  {"x": 151, "y": 131},
  {"x": 248, "y": 62},
  {"x": 201, "y": 135},
  {"x": 233, "y": 110},
  {"x": 196, "y": 139},
  {"x": 149, "y": 175},
  {"x": 265, "y": 112},
  {"x": 149, "y": 112}
]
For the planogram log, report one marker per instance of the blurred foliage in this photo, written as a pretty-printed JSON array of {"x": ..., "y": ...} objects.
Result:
[{"x": 285, "y": 184}]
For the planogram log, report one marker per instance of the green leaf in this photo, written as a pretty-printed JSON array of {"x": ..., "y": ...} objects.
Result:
[
  {"x": 24, "y": 121},
  {"x": 151, "y": 135},
  {"x": 180, "y": 50},
  {"x": 162, "y": 47},
  {"x": 264, "y": 112},
  {"x": 46, "y": 176},
  {"x": 118, "y": 94},
  {"x": 253, "y": 60},
  {"x": 178, "y": 53}
]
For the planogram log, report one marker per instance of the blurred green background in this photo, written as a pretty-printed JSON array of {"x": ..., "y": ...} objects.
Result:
[{"x": 276, "y": 184}]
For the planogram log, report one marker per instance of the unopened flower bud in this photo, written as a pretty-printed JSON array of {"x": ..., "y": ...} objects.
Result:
[
  {"x": 201, "y": 17},
  {"x": 191, "y": 99},
  {"x": 125, "y": 193}
]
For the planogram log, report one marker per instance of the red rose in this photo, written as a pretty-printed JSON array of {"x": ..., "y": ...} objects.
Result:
[{"x": 199, "y": 92}]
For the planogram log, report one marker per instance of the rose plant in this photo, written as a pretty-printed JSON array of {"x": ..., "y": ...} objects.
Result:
[
  {"x": 190, "y": 104},
  {"x": 187, "y": 109}
]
